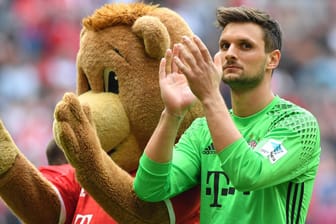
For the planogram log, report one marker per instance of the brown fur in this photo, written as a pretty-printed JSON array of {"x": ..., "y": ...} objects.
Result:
[
  {"x": 128, "y": 40},
  {"x": 116, "y": 14}
]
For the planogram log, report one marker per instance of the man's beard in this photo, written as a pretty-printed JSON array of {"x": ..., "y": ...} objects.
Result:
[{"x": 245, "y": 82}]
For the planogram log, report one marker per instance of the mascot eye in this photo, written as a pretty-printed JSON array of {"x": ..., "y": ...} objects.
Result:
[
  {"x": 117, "y": 51},
  {"x": 111, "y": 83}
]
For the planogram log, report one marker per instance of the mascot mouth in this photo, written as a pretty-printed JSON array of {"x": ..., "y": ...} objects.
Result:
[
  {"x": 110, "y": 152},
  {"x": 128, "y": 148},
  {"x": 115, "y": 148}
]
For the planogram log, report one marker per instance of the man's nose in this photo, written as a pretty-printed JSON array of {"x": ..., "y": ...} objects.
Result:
[{"x": 231, "y": 52}]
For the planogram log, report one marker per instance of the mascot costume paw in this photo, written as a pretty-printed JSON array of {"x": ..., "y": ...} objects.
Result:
[{"x": 104, "y": 128}]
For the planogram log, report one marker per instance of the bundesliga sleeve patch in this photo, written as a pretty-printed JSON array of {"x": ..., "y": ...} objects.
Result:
[{"x": 273, "y": 150}]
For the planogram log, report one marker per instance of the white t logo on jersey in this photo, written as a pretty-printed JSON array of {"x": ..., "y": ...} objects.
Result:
[{"x": 83, "y": 219}]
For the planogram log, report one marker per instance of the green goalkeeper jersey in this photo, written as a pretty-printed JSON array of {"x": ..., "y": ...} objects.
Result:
[{"x": 266, "y": 177}]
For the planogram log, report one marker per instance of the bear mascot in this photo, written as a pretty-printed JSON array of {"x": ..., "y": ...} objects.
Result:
[{"x": 103, "y": 128}]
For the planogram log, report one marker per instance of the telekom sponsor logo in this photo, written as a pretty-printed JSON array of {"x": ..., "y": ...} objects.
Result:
[{"x": 83, "y": 219}]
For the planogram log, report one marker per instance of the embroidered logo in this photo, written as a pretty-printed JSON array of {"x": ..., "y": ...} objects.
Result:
[
  {"x": 273, "y": 150},
  {"x": 252, "y": 143},
  {"x": 82, "y": 193},
  {"x": 209, "y": 150}
]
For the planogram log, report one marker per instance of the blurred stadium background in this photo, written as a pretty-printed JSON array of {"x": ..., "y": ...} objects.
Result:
[{"x": 39, "y": 41}]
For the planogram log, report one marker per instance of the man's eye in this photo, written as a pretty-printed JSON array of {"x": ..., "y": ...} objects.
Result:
[
  {"x": 246, "y": 46},
  {"x": 225, "y": 46}
]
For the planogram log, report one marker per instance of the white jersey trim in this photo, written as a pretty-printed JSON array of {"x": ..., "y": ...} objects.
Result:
[
  {"x": 62, "y": 216},
  {"x": 170, "y": 211}
]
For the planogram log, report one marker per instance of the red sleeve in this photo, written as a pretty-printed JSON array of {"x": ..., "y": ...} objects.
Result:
[
  {"x": 187, "y": 206},
  {"x": 63, "y": 178}
]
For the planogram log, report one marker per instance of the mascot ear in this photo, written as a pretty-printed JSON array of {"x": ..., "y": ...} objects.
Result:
[{"x": 154, "y": 34}]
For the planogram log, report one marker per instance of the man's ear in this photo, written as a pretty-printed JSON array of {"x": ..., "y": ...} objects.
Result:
[{"x": 273, "y": 59}]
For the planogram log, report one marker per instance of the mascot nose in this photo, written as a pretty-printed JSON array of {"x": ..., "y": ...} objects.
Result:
[{"x": 109, "y": 116}]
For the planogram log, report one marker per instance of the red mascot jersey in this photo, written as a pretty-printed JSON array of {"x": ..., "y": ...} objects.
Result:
[{"x": 78, "y": 207}]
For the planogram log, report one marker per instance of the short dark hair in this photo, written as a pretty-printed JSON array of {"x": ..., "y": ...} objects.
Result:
[
  {"x": 55, "y": 154},
  {"x": 241, "y": 14}
]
